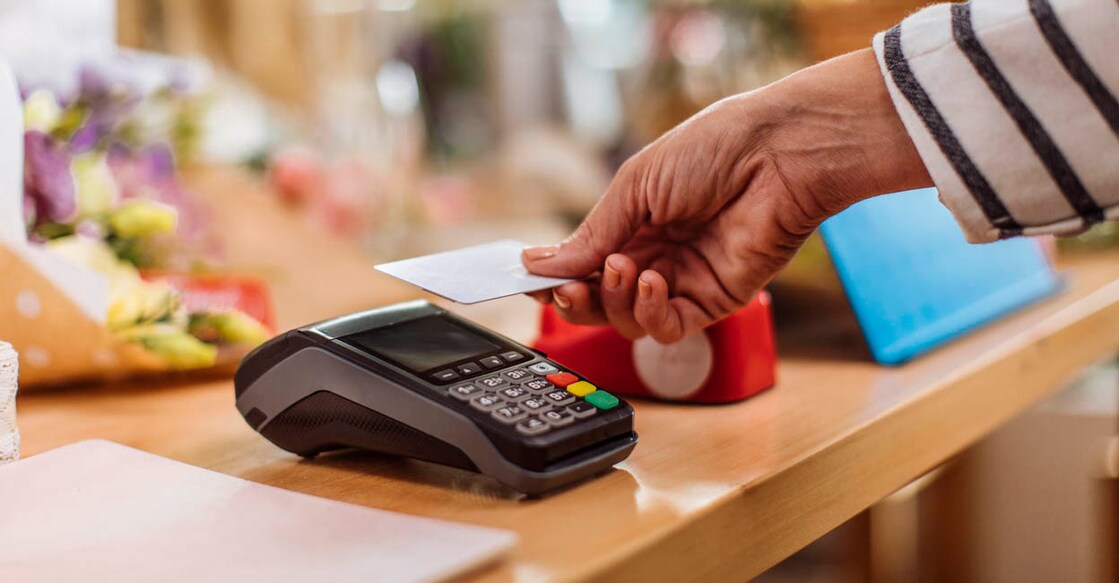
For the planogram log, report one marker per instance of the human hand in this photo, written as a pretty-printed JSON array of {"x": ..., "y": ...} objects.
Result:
[{"x": 693, "y": 225}]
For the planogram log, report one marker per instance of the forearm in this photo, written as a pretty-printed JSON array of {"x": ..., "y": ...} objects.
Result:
[{"x": 1012, "y": 107}]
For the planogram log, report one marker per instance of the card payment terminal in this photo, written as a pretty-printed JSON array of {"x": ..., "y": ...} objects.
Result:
[{"x": 415, "y": 380}]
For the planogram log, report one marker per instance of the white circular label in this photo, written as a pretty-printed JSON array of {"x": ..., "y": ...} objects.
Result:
[{"x": 673, "y": 371}]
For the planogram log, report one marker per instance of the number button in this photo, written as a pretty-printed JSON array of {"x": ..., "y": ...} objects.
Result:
[
  {"x": 538, "y": 386},
  {"x": 464, "y": 392},
  {"x": 517, "y": 375},
  {"x": 509, "y": 414},
  {"x": 543, "y": 368},
  {"x": 581, "y": 409},
  {"x": 486, "y": 402},
  {"x": 532, "y": 426},
  {"x": 558, "y": 417},
  {"x": 492, "y": 383},
  {"x": 514, "y": 393},
  {"x": 536, "y": 404},
  {"x": 560, "y": 398}
]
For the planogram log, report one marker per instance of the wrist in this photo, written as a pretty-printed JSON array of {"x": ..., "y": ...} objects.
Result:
[{"x": 841, "y": 135}]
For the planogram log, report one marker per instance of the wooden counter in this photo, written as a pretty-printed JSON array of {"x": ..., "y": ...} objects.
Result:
[{"x": 711, "y": 493}]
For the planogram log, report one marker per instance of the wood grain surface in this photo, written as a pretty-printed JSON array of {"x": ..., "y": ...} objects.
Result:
[{"x": 713, "y": 493}]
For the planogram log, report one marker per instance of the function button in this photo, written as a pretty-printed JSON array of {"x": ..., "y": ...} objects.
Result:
[
  {"x": 492, "y": 362},
  {"x": 464, "y": 392},
  {"x": 486, "y": 402},
  {"x": 518, "y": 375},
  {"x": 512, "y": 356},
  {"x": 469, "y": 369},
  {"x": 581, "y": 409},
  {"x": 581, "y": 388},
  {"x": 559, "y": 398},
  {"x": 538, "y": 386},
  {"x": 543, "y": 368},
  {"x": 514, "y": 393},
  {"x": 558, "y": 417},
  {"x": 445, "y": 375},
  {"x": 536, "y": 404},
  {"x": 492, "y": 382},
  {"x": 602, "y": 400},
  {"x": 532, "y": 426},
  {"x": 509, "y": 413},
  {"x": 562, "y": 379}
]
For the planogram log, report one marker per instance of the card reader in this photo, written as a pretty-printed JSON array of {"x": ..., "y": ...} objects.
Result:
[{"x": 415, "y": 380}]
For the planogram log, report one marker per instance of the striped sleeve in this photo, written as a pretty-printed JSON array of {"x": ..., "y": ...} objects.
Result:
[{"x": 1012, "y": 106}]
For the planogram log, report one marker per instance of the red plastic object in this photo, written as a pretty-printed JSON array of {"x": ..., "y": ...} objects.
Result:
[{"x": 729, "y": 361}]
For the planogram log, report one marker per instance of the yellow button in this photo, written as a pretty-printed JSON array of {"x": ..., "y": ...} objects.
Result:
[{"x": 581, "y": 388}]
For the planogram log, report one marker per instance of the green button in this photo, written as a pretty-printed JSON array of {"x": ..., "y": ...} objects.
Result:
[{"x": 602, "y": 399}]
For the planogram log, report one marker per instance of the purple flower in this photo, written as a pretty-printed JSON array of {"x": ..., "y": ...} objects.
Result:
[{"x": 47, "y": 181}]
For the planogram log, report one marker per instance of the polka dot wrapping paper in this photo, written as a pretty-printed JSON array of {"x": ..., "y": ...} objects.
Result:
[
  {"x": 42, "y": 315},
  {"x": 9, "y": 382}
]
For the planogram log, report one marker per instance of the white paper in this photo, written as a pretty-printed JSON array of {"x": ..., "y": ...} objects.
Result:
[
  {"x": 100, "y": 511},
  {"x": 472, "y": 274}
]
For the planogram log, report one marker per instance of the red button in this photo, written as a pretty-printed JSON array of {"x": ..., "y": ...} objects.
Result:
[{"x": 562, "y": 379}]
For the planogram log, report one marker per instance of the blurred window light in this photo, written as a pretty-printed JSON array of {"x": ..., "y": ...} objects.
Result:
[
  {"x": 593, "y": 103},
  {"x": 395, "y": 5},
  {"x": 608, "y": 34},
  {"x": 337, "y": 6},
  {"x": 586, "y": 11},
  {"x": 398, "y": 89},
  {"x": 698, "y": 38}
]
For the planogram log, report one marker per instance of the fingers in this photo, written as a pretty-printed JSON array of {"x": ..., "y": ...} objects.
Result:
[
  {"x": 633, "y": 305},
  {"x": 543, "y": 296},
  {"x": 665, "y": 320},
  {"x": 576, "y": 303},
  {"x": 606, "y": 229},
  {"x": 619, "y": 285}
]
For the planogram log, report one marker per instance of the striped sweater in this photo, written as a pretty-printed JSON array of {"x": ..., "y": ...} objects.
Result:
[{"x": 1012, "y": 106}]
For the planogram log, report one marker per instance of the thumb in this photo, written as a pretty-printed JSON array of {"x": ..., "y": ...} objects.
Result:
[{"x": 609, "y": 225}]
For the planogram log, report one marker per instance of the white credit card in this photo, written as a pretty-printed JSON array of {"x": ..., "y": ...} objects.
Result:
[{"x": 472, "y": 274}]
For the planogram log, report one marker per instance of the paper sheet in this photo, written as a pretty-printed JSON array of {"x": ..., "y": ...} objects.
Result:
[{"x": 100, "y": 511}]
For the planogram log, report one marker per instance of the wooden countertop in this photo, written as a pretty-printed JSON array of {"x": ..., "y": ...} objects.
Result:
[{"x": 711, "y": 492}]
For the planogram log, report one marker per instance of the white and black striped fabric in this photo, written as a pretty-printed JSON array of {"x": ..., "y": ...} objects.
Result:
[{"x": 1012, "y": 106}]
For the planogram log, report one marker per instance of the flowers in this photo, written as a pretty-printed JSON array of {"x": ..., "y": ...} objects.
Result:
[{"x": 100, "y": 189}]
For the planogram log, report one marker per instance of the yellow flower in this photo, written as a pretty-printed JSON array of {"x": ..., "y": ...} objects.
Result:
[
  {"x": 179, "y": 349},
  {"x": 41, "y": 112},
  {"x": 234, "y": 327},
  {"x": 143, "y": 218},
  {"x": 96, "y": 189},
  {"x": 131, "y": 299}
]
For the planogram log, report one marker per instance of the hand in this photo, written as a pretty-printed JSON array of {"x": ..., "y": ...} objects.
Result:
[{"x": 693, "y": 225}]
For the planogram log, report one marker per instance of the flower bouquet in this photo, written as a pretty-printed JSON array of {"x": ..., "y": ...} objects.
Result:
[{"x": 100, "y": 245}]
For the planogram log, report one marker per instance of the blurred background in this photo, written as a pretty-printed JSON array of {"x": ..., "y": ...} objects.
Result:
[
  {"x": 453, "y": 116},
  {"x": 284, "y": 132}
]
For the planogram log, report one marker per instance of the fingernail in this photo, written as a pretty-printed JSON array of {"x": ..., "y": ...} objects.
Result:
[
  {"x": 644, "y": 289},
  {"x": 561, "y": 300},
  {"x": 611, "y": 277},
  {"x": 543, "y": 252}
]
